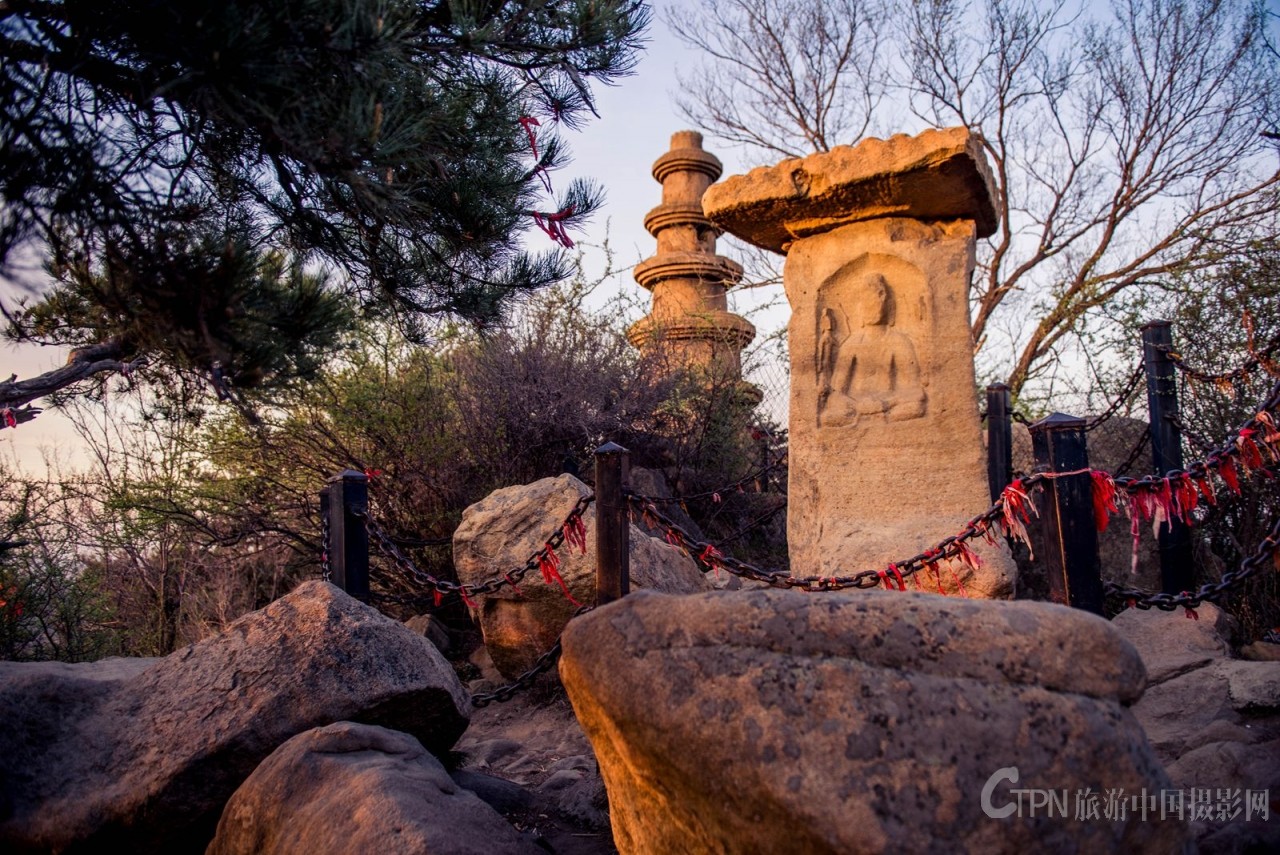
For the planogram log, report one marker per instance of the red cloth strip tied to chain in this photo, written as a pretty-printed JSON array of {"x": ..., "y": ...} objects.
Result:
[
  {"x": 884, "y": 577},
  {"x": 1104, "y": 498},
  {"x": 575, "y": 533},
  {"x": 549, "y": 565},
  {"x": 1016, "y": 509}
]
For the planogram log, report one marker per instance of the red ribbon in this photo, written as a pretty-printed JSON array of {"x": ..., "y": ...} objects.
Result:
[
  {"x": 549, "y": 564},
  {"x": 884, "y": 577},
  {"x": 1227, "y": 472},
  {"x": 1104, "y": 499},
  {"x": 529, "y": 123},
  {"x": 553, "y": 225},
  {"x": 575, "y": 533}
]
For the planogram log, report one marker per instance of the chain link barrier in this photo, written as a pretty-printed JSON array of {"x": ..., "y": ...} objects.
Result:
[
  {"x": 1225, "y": 379},
  {"x": 326, "y": 569},
  {"x": 1221, "y": 459},
  {"x": 571, "y": 529},
  {"x": 1007, "y": 515},
  {"x": 1010, "y": 513},
  {"x": 526, "y": 680},
  {"x": 1135, "y": 597},
  {"x": 711, "y": 558},
  {"x": 1131, "y": 385}
]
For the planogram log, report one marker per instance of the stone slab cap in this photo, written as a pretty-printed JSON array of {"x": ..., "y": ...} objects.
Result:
[{"x": 937, "y": 175}]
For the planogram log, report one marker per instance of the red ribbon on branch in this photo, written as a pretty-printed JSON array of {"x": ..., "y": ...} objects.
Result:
[
  {"x": 553, "y": 225},
  {"x": 529, "y": 123}
]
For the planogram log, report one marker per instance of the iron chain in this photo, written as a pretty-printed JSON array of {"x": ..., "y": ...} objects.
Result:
[
  {"x": 1168, "y": 602},
  {"x": 1130, "y": 386},
  {"x": 710, "y": 558},
  {"x": 326, "y": 570},
  {"x": 387, "y": 545},
  {"x": 524, "y": 681},
  {"x": 1250, "y": 364}
]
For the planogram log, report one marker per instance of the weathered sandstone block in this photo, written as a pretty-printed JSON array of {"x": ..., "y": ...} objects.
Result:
[
  {"x": 886, "y": 452},
  {"x": 775, "y": 721}
]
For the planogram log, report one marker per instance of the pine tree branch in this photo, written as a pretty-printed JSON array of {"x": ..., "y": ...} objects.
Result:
[{"x": 83, "y": 363}]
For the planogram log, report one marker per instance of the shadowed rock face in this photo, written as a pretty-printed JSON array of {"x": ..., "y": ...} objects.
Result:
[
  {"x": 775, "y": 721},
  {"x": 144, "y": 757},
  {"x": 355, "y": 788}
]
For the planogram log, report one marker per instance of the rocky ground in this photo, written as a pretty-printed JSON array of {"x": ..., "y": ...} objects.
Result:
[{"x": 529, "y": 759}]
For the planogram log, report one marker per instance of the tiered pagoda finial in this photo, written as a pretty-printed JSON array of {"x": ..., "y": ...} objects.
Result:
[{"x": 690, "y": 319}]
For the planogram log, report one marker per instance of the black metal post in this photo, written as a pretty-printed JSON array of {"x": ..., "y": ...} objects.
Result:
[
  {"x": 999, "y": 438},
  {"x": 1068, "y": 547},
  {"x": 348, "y": 537},
  {"x": 1176, "y": 569},
  {"x": 613, "y": 548}
]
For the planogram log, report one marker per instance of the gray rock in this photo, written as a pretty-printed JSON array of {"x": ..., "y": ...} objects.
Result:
[
  {"x": 355, "y": 788},
  {"x": 500, "y": 532},
  {"x": 1247, "y": 838},
  {"x": 500, "y": 794},
  {"x": 1261, "y": 651},
  {"x": 1174, "y": 713},
  {"x": 1253, "y": 687},
  {"x": 1170, "y": 643},
  {"x": 145, "y": 763},
  {"x": 1228, "y": 765},
  {"x": 431, "y": 628},
  {"x": 776, "y": 721}
]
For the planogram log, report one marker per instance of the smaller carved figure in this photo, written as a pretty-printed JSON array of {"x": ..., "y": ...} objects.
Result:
[{"x": 874, "y": 370}]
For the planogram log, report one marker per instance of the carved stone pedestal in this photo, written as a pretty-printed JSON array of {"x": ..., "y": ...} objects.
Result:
[{"x": 885, "y": 446}]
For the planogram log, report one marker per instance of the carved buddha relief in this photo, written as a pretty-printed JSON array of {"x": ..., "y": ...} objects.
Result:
[{"x": 865, "y": 367}]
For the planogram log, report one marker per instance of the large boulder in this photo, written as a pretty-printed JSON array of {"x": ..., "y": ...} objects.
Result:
[
  {"x": 500, "y": 532},
  {"x": 145, "y": 759},
  {"x": 356, "y": 788},
  {"x": 1213, "y": 721},
  {"x": 777, "y": 721}
]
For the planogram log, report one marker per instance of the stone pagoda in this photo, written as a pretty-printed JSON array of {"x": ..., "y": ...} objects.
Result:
[{"x": 690, "y": 325}]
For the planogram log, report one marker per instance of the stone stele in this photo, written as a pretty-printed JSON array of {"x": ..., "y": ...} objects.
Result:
[{"x": 886, "y": 450}]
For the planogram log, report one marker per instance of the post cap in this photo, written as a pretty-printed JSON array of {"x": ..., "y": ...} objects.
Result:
[
  {"x": 1057, "y": 421},
  {"x": 611, "y": 448},
  {"x": 349, "y": 475}
]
